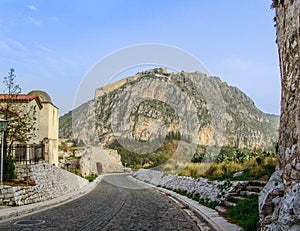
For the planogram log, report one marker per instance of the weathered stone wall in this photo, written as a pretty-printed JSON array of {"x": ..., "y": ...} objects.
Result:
[
  {"x": 113, "y": 86},
  {"x": 32, "y": 111},
  {"x": 211, "y": 190},
  {"x": 280, "y": 200},
  {"x": 97, "y": 160},
  {"x": 50, "y": 182}
]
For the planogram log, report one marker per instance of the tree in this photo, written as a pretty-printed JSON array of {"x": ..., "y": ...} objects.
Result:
[
  {"x": 21, "y": 118},
  {"x": 9, "y": 82},
  {"x": 20, "y": 128}
]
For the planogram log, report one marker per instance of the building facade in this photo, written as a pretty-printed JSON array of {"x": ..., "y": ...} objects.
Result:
[{"x": 41, "y": 117}]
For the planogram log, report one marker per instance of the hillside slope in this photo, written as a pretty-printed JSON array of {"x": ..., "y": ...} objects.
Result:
[{"x": 188, "y": 106}]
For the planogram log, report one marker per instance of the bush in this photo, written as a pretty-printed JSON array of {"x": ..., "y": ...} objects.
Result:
[
  {"x": 8, "y": 169},
  {"x": 252, "y": 170},
  {"x": 138, "y": 166},
  {"x": 91, "y": 177},
  {"x": 208, "y": 203},
  {"x": 191, "y": 170},
  {"x": 197, "y": 157},
  {"x": 245, "y": 213},
  {"x": 196, "y": 196}
]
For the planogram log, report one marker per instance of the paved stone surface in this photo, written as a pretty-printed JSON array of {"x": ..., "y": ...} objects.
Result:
[{"x": 109, "y": 207}]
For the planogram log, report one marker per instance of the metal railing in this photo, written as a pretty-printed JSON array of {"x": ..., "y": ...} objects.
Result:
[{"x": 28, "y": 153}]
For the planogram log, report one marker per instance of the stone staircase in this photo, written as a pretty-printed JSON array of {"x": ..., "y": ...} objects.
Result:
[{"x": 252, "y": 188}]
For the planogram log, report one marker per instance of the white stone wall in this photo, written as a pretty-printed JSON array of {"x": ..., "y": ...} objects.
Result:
[
  {"x": 212, "y": 190},
  {"x": 51, "y": 182}
]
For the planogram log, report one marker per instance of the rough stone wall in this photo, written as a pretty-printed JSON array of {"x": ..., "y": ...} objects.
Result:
[
  {"x": 97, "y": 160},
  {"x": 32, "y": 118},
  {"x": 50, "y": 182},
  {"x": 113, "y": 86},
  {"x": 211, "y": 190},
  {"x": 280, "y": 199}
]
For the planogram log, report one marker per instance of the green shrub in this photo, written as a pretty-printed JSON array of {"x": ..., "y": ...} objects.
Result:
[
  {"x": 91, "y": 177},
  {"x": 245, "y": 213},
  {"x": 208, "y": 203},
  {"x": 181, "y": 191},
  {"x": 196, "y": 196},
  {"x": 8, "y": 169},
  {"x": 197, "y": 157}
]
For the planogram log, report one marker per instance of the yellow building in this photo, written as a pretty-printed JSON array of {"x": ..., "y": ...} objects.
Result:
[{"x": 48, "y": 126}]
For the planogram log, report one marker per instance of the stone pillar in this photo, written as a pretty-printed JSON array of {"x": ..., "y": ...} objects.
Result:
[
  {"x": 53, "y": 151},
  {"x": 280, "y": 199},
  {"x": 46, "y": 150}
]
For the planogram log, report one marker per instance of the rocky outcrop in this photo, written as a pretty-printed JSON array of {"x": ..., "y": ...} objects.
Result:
[
  {"x": 279, "y": 202},
  {"x": 97, "y": 160},
  {"x": 152, "y": 104}
]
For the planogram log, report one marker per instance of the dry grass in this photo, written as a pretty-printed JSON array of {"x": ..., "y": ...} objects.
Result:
[
  {"x": 195, "y": 169},
  {"x": 226, "y": 169}
]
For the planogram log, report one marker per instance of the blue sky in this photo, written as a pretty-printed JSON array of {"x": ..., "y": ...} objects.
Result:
[{"x": 53, "y": 44}]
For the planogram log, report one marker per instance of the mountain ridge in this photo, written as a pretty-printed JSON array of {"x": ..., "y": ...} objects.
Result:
[{"x": 226, "y": 116}]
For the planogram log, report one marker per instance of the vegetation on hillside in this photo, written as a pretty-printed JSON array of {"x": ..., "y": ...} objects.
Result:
[
  {"x": 65, "y": 125},
  {"x": 136, "y": 161},
  {"x": 254, "y": 165},
  {"x": 244, "y": 213},
  {"x": 250, "y": 166}
]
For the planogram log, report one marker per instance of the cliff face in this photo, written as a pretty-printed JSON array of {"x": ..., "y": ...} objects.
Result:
[{"x": 150, "y": 105}]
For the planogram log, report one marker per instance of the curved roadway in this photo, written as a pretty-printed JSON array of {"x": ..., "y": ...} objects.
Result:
[{"x": 116, "y": 203}]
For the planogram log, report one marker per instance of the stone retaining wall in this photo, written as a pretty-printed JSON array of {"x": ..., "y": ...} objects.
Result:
[
  {"x": 50, "y": 182},
  {"x": 97, "y": 160},
  {"x": 212, "y": 190}
]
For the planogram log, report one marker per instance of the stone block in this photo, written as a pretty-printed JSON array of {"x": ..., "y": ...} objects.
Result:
[
  {"x": 8, "y": 195},
  {"x": 6, "y": 201}
]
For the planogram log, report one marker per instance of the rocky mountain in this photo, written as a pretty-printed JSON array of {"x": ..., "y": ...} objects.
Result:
[{"x": 154, "y": 104}]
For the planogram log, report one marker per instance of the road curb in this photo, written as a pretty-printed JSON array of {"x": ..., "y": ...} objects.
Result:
[{"x": 210, "y": 216}]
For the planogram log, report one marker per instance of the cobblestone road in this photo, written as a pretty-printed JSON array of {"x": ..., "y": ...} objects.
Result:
[{"x": 111, "y": 207}]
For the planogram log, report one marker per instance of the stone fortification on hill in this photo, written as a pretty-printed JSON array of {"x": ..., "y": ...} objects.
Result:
[{"x": 225, "y": 115}]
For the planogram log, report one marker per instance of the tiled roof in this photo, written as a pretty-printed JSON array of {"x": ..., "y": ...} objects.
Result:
[{"x": 17, "y": 98}]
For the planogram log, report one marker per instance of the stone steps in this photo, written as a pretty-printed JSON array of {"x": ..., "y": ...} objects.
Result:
[
  {"x": 228, "y": 203},
  {"x": 253, "y": 188},
  {"x": 258, "y": 183},
  {"x": 248, "y": 193},
  {"x": 221, "y": 209}
]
